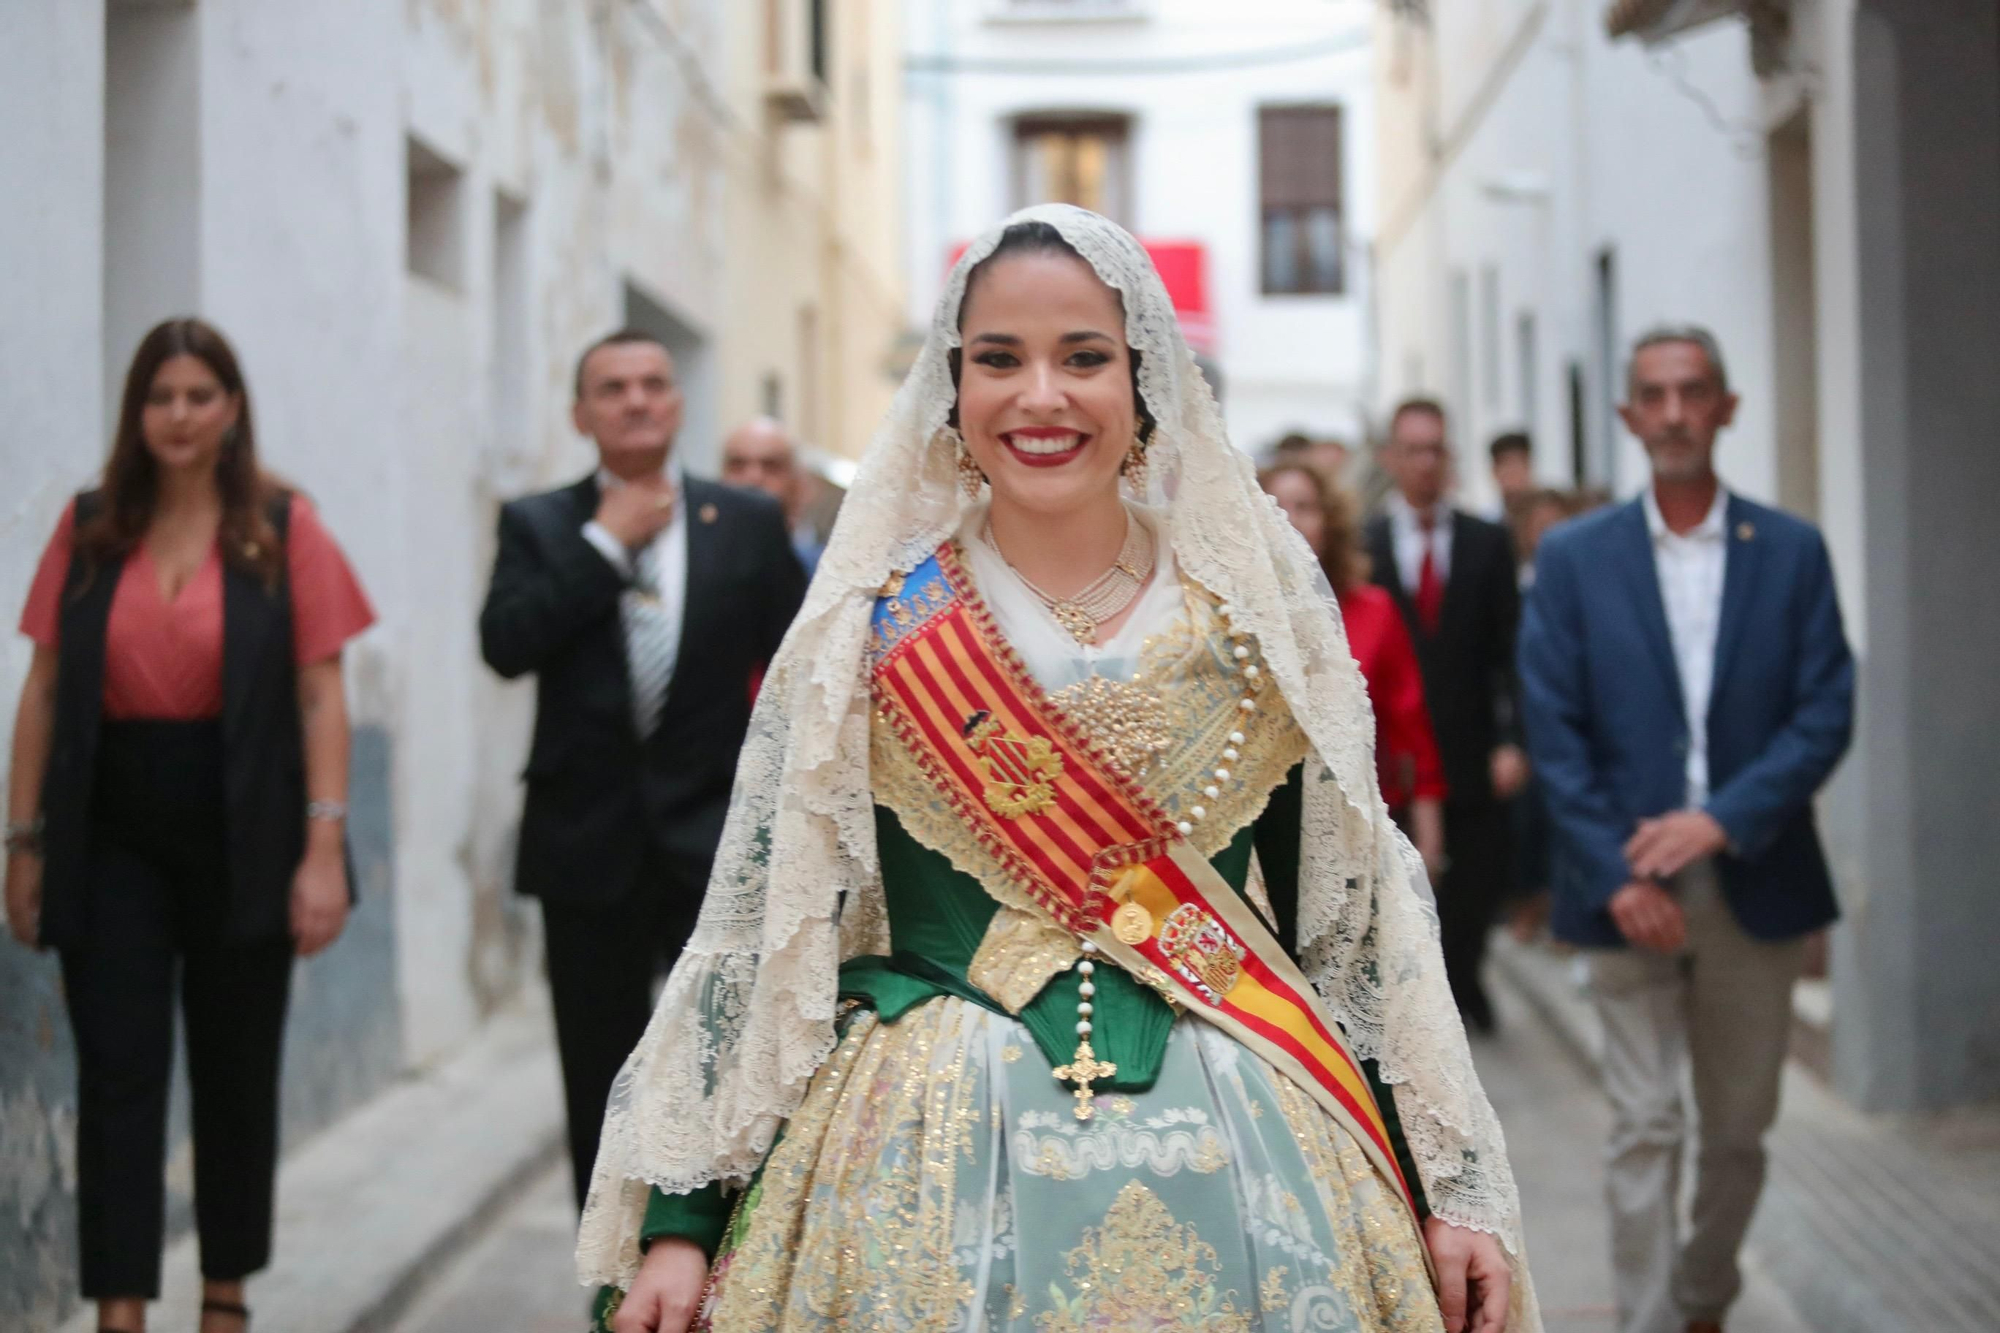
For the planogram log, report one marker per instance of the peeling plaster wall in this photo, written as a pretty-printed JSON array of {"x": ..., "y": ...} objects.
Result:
[
  {"x": 406, "y": 407},
  {"x": 51, "y": 167}
]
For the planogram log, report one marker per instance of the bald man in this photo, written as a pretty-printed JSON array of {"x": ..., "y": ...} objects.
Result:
[{"x": 762, "y": 455}]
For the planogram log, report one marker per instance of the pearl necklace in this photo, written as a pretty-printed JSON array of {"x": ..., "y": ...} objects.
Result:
[
  {"x": 1132, "y": 924},
  {"x": 1104, "y": 596}
]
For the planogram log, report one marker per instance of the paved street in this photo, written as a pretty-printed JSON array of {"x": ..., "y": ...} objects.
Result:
[
  {"x": 516, "y": 1276},
  {"x": 1556, "y": 1122}
]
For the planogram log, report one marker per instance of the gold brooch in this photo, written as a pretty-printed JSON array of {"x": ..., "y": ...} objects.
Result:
[{"x": 1020, "y": 771}]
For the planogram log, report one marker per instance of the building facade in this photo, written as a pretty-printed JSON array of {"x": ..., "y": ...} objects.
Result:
[
  {"x": 1236, "y": 141},
  {"x": 409, "y": 217},
  {"x": 1818, "y": 181}
]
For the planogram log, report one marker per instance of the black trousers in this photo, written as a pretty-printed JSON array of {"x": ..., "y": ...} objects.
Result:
[
  {"x": 1478, "y": 844},
  {"x": 155, "y": 895},
  {"x": 602, "y": 963}
]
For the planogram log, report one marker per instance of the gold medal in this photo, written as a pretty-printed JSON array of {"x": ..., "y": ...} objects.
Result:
[{"x": 1132, "y": 924}]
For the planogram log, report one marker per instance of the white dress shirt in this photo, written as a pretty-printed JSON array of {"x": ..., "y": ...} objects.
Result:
[
  {"x": 1690, "y": 569},
  {"x": 653, "y": 607},
  {"x": 1408, "y": 535}
]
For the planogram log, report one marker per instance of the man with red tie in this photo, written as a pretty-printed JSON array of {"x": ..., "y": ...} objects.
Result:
[{"x": 1452, "y": 576}]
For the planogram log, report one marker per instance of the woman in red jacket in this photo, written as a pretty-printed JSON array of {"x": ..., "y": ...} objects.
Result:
[{"x": 1406, "y": 753}]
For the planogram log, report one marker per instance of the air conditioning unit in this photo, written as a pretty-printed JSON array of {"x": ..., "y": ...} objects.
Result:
[{"x": 796, "y": 58}]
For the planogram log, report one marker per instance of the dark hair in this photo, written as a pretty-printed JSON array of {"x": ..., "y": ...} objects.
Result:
[
  {"x": 1512, "y": 442},
  {"x": 1427, "y": 406},
  {"x": 616, "y": 338},
  {"x": 1292, "y": 442},
  {"x": 131, "y": 476},
  {"x": 1345, "y": 562},
  {"x": 1042, "y": 238}
]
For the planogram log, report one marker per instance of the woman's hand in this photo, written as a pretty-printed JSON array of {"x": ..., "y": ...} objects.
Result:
[
  {"x": 669, "y": 1286},
  {"x": 24, "y": 896},
  {"x": 1472, "y": 1276},
  {"x": 319, "y": 899}
]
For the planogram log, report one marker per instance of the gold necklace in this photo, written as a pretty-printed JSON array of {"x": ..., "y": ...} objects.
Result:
[{"x": 1105, "y": 596}]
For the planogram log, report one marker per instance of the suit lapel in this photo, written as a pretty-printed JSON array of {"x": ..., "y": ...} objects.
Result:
[
  {"x": 583, "y": 498},
  {"x": 1458, "y": 571},
  {"x": 1642, "y": 577},
  {"x": 1742, "y": 554},
  {"x": 1382, "y": 554},
  {"x": 704, "y": 542}
]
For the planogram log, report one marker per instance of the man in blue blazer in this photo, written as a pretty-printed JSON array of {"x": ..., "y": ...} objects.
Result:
[{"x": 1686, "y": 689}]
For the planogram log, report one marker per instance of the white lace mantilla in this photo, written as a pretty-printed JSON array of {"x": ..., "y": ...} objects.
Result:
[{"x": 747, "y": 1015}]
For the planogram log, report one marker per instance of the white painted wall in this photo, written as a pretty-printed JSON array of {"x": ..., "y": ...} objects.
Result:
[
  {"x": 1522, "y": 140},
  {"x": 258, "y": 178},
  {"x": 1287, "y": 362}
]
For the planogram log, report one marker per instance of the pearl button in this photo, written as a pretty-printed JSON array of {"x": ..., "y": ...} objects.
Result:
[
  {"x": 1231, "y": 754},
  {"x": 1211, "y": 791},
  {"x": 1083, "y": 1028},
  {"x": 1222, "y": 775},
  {"x": 1185, "y": 828},
  {"x": 1083, "y": 1009},
  {"x": 1251, "y": 671},
  {"x": 1198, "y": 812},
  {"x": 1088, "y": 946},
  {"x": 1236, "y": 738},
  {"x": 1241, "y": 652},
  {"x": 1248, "y": 705},
  {"x": 1087, "y": 989},
  {"x": 1085, "y": 968}
]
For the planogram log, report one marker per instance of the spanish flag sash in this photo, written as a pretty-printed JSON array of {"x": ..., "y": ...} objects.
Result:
[{"x": 1092, "y": 848}]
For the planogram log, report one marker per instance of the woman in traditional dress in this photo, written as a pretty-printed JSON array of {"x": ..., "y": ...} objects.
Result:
[{"x": 979, "y": 1029}]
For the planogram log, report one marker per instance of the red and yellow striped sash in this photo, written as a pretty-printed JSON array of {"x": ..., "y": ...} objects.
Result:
[{"x": 1088, "y": 844}]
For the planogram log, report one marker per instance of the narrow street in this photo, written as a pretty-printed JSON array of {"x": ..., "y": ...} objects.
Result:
[{"x": 517, "y": 1277}]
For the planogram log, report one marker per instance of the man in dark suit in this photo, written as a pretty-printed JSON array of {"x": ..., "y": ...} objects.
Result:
[
  {"x": 645, "y": 602},
  {"x": 1452, "y": 576},
  {"x": 1687, "y": 689}
]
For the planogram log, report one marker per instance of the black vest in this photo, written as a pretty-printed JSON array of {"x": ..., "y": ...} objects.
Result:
[{"x": 262, "y": 736}]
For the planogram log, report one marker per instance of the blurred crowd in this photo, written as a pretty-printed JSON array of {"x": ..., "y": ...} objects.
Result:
[{"x": 1348, "y": 505}]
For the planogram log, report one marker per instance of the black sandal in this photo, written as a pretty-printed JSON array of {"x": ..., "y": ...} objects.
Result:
[{"x": 227, "y": 1308}]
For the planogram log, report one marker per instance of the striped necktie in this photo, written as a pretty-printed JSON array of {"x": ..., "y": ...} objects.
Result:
[{"x": 649, "y": 643}]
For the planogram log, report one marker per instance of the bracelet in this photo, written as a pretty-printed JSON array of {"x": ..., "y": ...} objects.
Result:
[
  {"x": 24, "y": 835},
  {"x": 329, "y": 812}
]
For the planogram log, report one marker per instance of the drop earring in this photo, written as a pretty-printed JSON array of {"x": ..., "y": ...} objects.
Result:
[
  {"x": 970, "y": 478},
  {"x": 1133, "y": 466}
]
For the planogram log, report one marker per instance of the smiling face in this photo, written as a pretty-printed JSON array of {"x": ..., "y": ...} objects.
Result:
[
  {"x": 1045, "y": 398},
  {"x": 187, "y": 414}
]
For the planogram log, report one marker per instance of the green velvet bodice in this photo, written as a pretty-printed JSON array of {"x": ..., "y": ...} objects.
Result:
[{"x": 938, "y": 915}]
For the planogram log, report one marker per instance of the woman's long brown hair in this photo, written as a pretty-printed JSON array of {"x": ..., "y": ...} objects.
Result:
[
  {"x": 131, "y": 476},
  {"x": 1344, "y": 560}
]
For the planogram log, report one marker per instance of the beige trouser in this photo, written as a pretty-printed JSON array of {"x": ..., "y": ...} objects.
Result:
[{"x": 1721, "y": 1009}]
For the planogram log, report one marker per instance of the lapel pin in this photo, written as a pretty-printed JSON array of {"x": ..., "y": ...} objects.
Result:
[
  {"x": 708, "y": 513},
  {"x": 1745, "y": 531}
]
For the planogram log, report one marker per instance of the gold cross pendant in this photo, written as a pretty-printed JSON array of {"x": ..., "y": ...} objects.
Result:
[{"x": 1083, "y": 1069}]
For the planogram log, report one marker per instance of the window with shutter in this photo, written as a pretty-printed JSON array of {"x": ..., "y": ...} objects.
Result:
[
  {"x": 1072, "y": 160},
  {"x": 1298, "y": 183}
]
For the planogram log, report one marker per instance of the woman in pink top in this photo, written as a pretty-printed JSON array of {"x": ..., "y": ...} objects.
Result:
[{"x": 176, "y": 805}]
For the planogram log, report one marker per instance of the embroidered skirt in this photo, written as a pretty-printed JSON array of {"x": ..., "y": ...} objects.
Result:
[{"x": 937, "y": 1178}]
